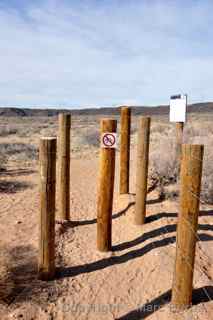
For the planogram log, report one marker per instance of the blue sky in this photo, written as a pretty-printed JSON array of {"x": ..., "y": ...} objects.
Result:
[{"x": 103, "y": 53}]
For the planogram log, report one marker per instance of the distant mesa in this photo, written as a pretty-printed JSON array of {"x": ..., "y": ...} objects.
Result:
[
  {"x": 12, "y": 112},
  {"x": 205, "y": 107}
]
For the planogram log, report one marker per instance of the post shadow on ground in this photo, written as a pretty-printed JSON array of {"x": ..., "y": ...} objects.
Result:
[
  {"x": 199, "y": 295},
  {"x": 158, "y": 216},
  {"x": 93, "y": 221},
  {"x": 75, "y": 223},
  {"x": 14, "y": 186},
  {"x": 20, "y": 281},
  {"x": 157, "y": 232},
  {"x": 16, "y": 172},
  {"x": 116, "y": 260},
  {"x": 206, "y": 213},
  {"x": 154, "y": 201},
  {"x": 151, "y": 201}
]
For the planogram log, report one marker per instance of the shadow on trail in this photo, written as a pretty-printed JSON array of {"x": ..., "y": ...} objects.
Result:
[
  {"x": 154, "y": 201},
  {"x": 16, "y": 172},
  {"x": 161, "y": 231},
  {"x": 199, "y": 295},
  {"x": 14, "y": 186},
  {"x": 18, "y": 277},
  {"x": 116, "y": 260},
  {"x": 206, "y": 213},
  {"x": 148, "y": 308},
  {"x": 158, "y": 216},
  {"x": 93, "y": 221}
]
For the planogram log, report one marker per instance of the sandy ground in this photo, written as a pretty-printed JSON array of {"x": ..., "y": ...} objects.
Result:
[{"x": 131, "y": 282}]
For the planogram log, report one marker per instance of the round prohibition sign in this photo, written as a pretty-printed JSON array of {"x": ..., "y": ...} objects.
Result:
[{"x": 108, "y": 140}]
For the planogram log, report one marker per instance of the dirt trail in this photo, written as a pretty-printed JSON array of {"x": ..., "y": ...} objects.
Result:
[{"x": 131, "y": 282}]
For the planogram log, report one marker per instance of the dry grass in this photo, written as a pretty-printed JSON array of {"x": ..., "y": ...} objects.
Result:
[
  {"x": 202, "y": 133},
  {"x": 3, "y": 162},
  {"x": 164, "y": 165},
  {"x": 7, "y": 130},
  {"x": 19, "y": 150},
  {"x": 19, "y": 139}
]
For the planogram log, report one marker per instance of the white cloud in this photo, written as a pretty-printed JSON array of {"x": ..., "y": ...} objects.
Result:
[{"x": 104, "y": 53}]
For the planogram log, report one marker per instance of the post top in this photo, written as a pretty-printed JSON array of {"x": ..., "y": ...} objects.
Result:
[
  {"x": 48, "y": 138},
  {"x": 125, "y": 107},
  {"x": 192, "y": 145},
  {"x": 144, "y": 117},
  {"x": 108, "y": 119}
]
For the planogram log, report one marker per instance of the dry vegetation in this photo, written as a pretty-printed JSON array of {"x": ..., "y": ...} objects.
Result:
[
  {"x": 163, "y": 162},
  {"x": 19, "y": 139},
  {"x": 130, "y": 276}
]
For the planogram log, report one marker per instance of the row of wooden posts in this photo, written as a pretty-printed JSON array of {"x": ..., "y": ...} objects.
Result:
[{"x": 190, "y": 181}]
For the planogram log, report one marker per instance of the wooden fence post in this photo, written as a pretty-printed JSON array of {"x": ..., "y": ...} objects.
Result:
[
  {"x": 125, "y": 127},
  {"x": 64, "y": 166},
  {"x": 142, "y": 169},
  {"x": 179, "y": 126},
  {"x": 191, "y": 172},
  {"x": 105, "y": 190},
  {"x": 47, "y": 162}
]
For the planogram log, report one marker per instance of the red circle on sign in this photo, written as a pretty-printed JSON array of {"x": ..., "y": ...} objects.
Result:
[{"x": 108, "y": 140}]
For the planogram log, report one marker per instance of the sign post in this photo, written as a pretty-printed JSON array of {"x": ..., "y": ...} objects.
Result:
[
  {"x": 106, "y": 184},
  {"x": 46, "y": 252},
  {"x": 142, "y": 169},
  {"x": 64, "y": 166},
  {"x": 178, "y": 104},
  {"x": 190, "y": 182},
  {"x": 125, "y": 149}
]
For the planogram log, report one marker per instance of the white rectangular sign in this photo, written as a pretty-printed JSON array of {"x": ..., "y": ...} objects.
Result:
[
  {"x": 109, "y": 140},
  {"x": 178, "y": 108}
]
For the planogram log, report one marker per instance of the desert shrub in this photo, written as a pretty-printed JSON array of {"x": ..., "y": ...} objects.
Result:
[
  {"x": 92, "y": 138},
  {"x": 207, "y": 182},
  {"x": 160, "y": 127},
  {"x": 197, "y": 129},
  {"x": 207, "y": 172},
  {"x": 7, "y": 130},
  {"x": 3, "y": 161},
  {"x": 85, "y": 138},
  {"x": 48, "y": 131},
  {"x": 30, "y": 130},
  {"x": 134, "y": 127},
  {"x": 19, "y": 150},
  {"x": 19, "y": 130},
  {"x": 164, "y": 167}
]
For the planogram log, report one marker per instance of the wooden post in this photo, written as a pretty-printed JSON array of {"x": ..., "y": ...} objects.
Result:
[
  {"x": 191, "y": 171},
  {"x": 47, "y": 162},
  {"x": 125, "y": 149},
  {"x": 142, "y": 169},
  {"x": 105, "y": 191},
  {"x": 64, "y": 166},
  {"x": 179, "y": 139}
]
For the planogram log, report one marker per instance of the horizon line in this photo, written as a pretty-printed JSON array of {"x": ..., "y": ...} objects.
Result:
[{"x": 95, "y": 106}]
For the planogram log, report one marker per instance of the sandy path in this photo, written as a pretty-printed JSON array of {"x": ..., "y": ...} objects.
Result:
[{"x": 91, "y": 285}]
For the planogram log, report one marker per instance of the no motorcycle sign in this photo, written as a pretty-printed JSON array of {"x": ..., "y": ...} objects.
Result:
[{"x": 109, "y": 140}]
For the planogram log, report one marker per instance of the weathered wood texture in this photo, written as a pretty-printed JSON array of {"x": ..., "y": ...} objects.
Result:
[
  {"x": 64, "y": 166},
  {"x": 105, "y": 190},
  {"x": 142, "y": 169},
  {"x": 191, "y": 171},
  {"x": 125, "y": 128},
  {"x": 179, "y": 126},
  {"x": 47, "y": 163}
]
